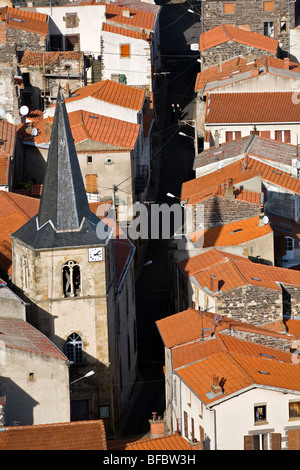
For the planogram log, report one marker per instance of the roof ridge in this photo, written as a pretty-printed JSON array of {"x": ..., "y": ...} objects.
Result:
[
  {"x": 225, "y": 29},
  {"x": 231, "y": 357}
]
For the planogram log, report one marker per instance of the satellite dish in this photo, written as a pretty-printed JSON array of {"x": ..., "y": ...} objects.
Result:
[
  {"x": 34, "y": 132},
  {"x": 24, "y": 110},
  {"x": 265, "y": 219},
  {"x": 3, "y": 112}
]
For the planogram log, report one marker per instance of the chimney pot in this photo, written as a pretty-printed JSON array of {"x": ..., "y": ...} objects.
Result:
[
  {"x": 214, "y": 283},
  {"x": 286, "y": 63}
]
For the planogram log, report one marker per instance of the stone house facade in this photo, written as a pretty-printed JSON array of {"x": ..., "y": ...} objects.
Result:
[{"x": 271, "y": 18}]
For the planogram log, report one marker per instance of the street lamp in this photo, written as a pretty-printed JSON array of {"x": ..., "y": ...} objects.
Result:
[{"x": 88, "y": 374}]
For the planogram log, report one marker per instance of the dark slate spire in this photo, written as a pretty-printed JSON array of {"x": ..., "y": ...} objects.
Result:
[
  {"x": 64, "y": 218},
  {"x": 64, "y": 202}
]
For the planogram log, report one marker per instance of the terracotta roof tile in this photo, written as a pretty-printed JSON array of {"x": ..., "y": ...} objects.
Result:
[
  {"x": 125, "y": 32},
  {"x": 187, "y": 327},
  {"x": 25, "y": 20},
  {"x": 239, "y": 68},
  {"x": 4, "y": 169},
  {"x": 15, "y": 211},
  {"x": 136, "y": 19},
  {"x": 186, "y": 354},
  {"x": 86, "y": 126},
  {"x": 241, "y": 170},
  {"x": 251, "y": 107},
  {"x": 77, "y": 435},
  {"x": 32, "y": 58},
  {"x": 225, "y": 33},
  {"x": 240, "y": 371},
  {"x": 111, "y": 92},
  {"x": 168, "y": 442},
  {"x": 21, "y": 335}
]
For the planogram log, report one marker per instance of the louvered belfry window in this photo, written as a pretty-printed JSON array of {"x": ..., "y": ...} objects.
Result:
[{"x": 125, "y": 50}]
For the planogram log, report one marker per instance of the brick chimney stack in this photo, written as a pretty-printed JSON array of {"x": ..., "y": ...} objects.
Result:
[
  {"x": 157, "y": 425},
  {"x": 286, "y": 63},
  {"x": 214, "y": 283}
]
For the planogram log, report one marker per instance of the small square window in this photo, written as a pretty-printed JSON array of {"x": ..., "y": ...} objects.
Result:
[
  {"x": 89, "y": 159},
  {"x": 104, "y": 412},
  {"x": 260, "y": 413},
  {"x": 294, "y": 409},
  {"x": 228, "y": 8},
  {"x": 31, "y": 376},
  {"x": 269, "y": 6}
]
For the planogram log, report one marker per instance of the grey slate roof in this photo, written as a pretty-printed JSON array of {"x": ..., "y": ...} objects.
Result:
[{"x": 64, "y": 218}]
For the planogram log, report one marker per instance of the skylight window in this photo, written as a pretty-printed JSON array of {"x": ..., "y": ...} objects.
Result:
[
  {"x": 256, "y": 279},
  {"x": 18, "y": 20},
  {"x": 267, "y": 355},
  {"x": 235, "y": 231},
  {"x": 264, "y": 372},
  {"x": 277, "y": 172}
]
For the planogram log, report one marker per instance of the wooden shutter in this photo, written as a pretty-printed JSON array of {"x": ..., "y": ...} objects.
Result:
[
  {"x": 238, "y": 134},
  {"x": 125, "y": 50},
  {"x": 91, "y": 183},
  {"x": 287, "y": 137},
  {"x": 278, "y": 135},
  {"x": 275, "y": 441},
  {"x": 186, "y": 431},
  {"x": 294, "y": 439},
  {"x": 265, "y": 134},
  {"x": 229, "y": 136},
  {"x": 269, "y": 6},
  {"x": 228, "y": 8},
  {"x": 248, "y": 442}
]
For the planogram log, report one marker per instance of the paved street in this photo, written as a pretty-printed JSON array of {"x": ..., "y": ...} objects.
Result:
[{"x": 172, "y": 159}]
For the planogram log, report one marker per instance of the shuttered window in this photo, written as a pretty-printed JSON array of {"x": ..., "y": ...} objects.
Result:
[
  {"x": 265, "y": 134},
  {"x": 276, "y": 441},
  {"x": 269, "y": 6},
  {"x": 283, "y": 136},
  {"x": 186, "y": 430},
  {"x": 248, "y": 442},
  {"x": 125, "y": 50},
  {"x": 91, "y": 183},
  {"x": 228, "y": 8}
]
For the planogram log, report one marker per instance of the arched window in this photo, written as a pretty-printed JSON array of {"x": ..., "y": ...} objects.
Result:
[
  {"x": 74, "y": 348},
  {"x": 71, "y": 277}
]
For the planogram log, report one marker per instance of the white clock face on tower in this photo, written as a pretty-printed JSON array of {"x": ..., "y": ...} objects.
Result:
[{"x": 96, "y": 254}]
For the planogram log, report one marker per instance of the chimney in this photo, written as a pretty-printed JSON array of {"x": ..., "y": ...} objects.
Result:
[
  {"x": 216, "y": 388},
  {"x": 157, "y": 426},
  {"x": 245, "y": 163},
  {"x": 286, "y": 63},
  {"x": 2, "y": 403},
  {"x": 217, "y": 139},
  {"x": 254, "y": 132},
  {"x": 126, "y": 12},
  {"x": 214, "y": 283},
  {"x": 229, "y": 190},
  {"x": 255, "y": 72}
]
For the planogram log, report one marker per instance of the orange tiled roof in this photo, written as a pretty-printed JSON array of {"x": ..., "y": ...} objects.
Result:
[
  {"x": 125, "y": 32},
  {"x": 77, "y": 435},
  {"x": 25, "y": 20},
  {"x": 231, "y": 234},
  {"x": 238, "y": 66},
  {"x": 15, "y": 211},
  {"x": 137, "y": 19},
  {"x": 111, "y": 92},
  {"x": 241, "y": 170},
  {"x": 225, "y": 33},
  {"x": 187, "y": 327},
  {"x": 4, "y": 168},
  {"x": 86, "y": 126},
  {"x": 251, "y": 107},
  {"x": 168, "y": 442},
  {"x": 32, "y": 58},
  {"x": 185, "y": 354},
  {"x": 240, "y": 371},
  {"x": 235, "y": 271},
  {"x": 8, "y": 137}
]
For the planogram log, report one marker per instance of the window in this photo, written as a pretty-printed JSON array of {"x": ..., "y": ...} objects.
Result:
[
  {"x": 186, "y": 430},
  {"x": 71, "y": 274},
  {"x": 269, "y": 6},
  {"x": 283, "y": 136},
  {"x": 269, "y": 29},
  {"x": 261, "y": 442},
  {"x": 91, "y": 183},
  {"x": 233, "y": 135},
  {"x": 71, "y": 20},
  {"x": 283, "y": 27},
  {"x": 260, "y": 413},
  {"x": 294, "y": 409},
  {"x": 72, "y": 42},
  {"x": 89, "y": 159},
  {"x": 228, "y": 8},
  {"x": 289, "y": 243},
  {"x": 124, "y": 50},
  {"x": 74, "y": 349}
]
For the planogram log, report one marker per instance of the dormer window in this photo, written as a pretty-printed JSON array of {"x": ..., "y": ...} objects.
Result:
[{"x": 71, "y": 278}]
